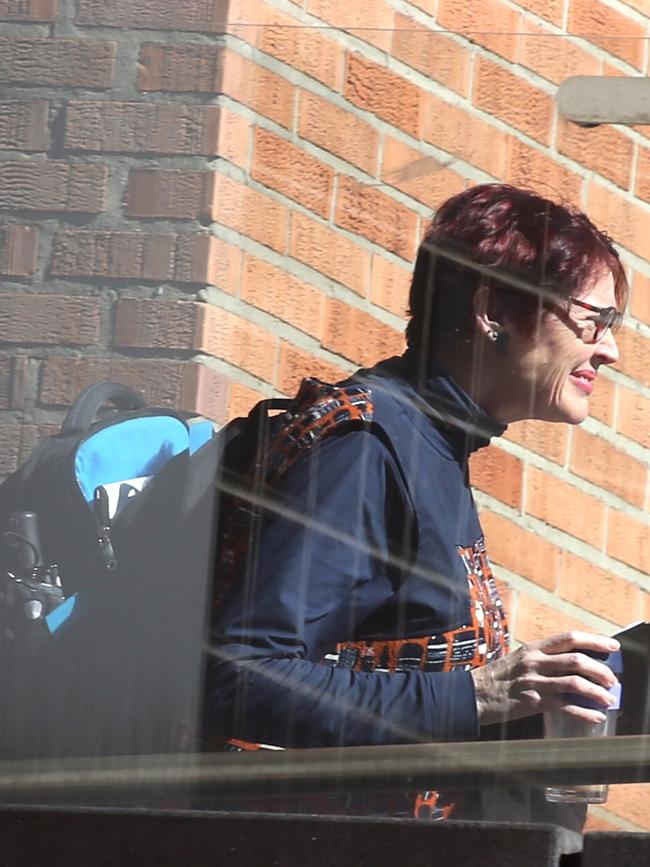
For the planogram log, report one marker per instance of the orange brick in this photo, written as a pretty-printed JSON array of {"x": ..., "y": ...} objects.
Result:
[
  {"x": 635, "y": 355},
  {"x": 369, "y": 20},
  {"x": 27, "y": 10},
  {"x": 552, "y": 10},
  {"x": 234, "y": 134},
  {"x": 554, "y": 57},
  {"x": 358, "y": 336},
  {"x": 544, "y": 438},
  {"x": 642, "y": 6},
  {"x": 463, "y": 135},
  {"x": 378, "y": 90},
  {"x": 285, "y": 167},
  {"x": 183, "y": 385},
  {"x": 520, "y": 551},
  {"x": 294, "y": 364},
  {"x": 601, "y": 402},
  {"x": 563, "y": 506},
  {"x": 536, "y": 620},
  {"x": 630, "y": 802},
  {"x": 249, "y": 212},
  {"x": 597, "y": 823},
  {"x": 628, "y": 223},
  {"x": 366, "y": 211},
  {"x": 602, "y": 464},
  {"x": 18, "y": 250},
  {"x": 242, "y": 399},
  {"x": 223, "y": 265},
  {"x": 259, "y": 88},
  {"x": 499, "y": 474},
  {"x": 603, "y": 149},
  {"x": 513, "y": 99},
  {"x": 24, "y": 125},
  {"x": 303, "y": 48},
  {"x": 598, "y": 591},
  {"x": 490, "y": 23},
  {"x": 282, "y": 295},
  {"x": 429, "y": 6},
  {"x": 627, "y": 540},
  {"x": 614, "y": 32},
  {"x": 643, "y": 174},
  {"x": 338, "y": 131},
  {"x": 529, "y": 167},
  {"x": 389, "y": 285},
  {"x": 49, "y": 319},
  {"x": 431, "y": 53},
  {"x": 634, "y": 415},
  {"x": 422, "y": 177},
  {"x": 329, "y": 252},
  {"x": 187, "y": 325}
]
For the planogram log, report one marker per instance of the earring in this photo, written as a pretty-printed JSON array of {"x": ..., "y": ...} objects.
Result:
[{"x": 493, "y": 335}]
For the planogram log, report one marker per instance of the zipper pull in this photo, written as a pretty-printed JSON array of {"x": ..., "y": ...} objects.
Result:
[{"x": 100, "y": 507}]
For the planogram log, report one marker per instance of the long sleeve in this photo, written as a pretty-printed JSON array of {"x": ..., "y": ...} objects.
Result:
[{"x": 321, "y": 567}]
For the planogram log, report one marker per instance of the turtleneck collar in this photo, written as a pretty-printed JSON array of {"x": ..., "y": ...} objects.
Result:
[{"x": 449, "y": 406}]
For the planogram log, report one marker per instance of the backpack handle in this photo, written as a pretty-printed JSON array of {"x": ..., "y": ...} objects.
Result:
[{"x": 86, "y": 406}]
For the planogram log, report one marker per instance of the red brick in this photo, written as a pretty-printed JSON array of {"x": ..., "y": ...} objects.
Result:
[
  {"x": 18, "y": 250},
  {"x": 183, "y": 385},
  {"x": 431, "y": 53},
  {"x": 249, "y": 212},
  {"x": 10, "y": 435},
  {"x": 57, "y": 62},
  {"x": 49, "y": 319},
  {"x": 463, "y": 135},
  {"x": 564, "y": 506},
  {"x": 627, "y": 222},
  {"x": 630, "y": 802},
  {"x": 635, "y": 355},
  {"x": 295, "y": 363},
  {"x": 601, "y": 402},
  {"x": 282, "y": 295},
  {"x": 554, "y": 57},
  {"x": 634, "y": 416},
  {"x": 422, "y": 177},
  {"x": 285, "y": 167},
  {"x": 643, "y": 174},
  {"x": 12, "y": 374},
  {"x": 53, "y": 186},
  {"x": 529, "y": 167},
  {"x": 329, "y": 252},
  {"x": 552, "y": 10},
  {"x": 597, "y": 590},
  {"x": 521, "y": 551},
  {"x": 304, "y": 48},
  {"x": 207, "y": 16},
  {"x": 24, "y": 125},
  {"x": 369, "y": 20},
  {"x": 602, "y": 464},
  {"x": 338, "y": 131},
  {"x": 181, "y": 194},
  {"x": 544, "y": 438},
  {"x": 603, "y": 149},
  {"x": 499, "y": 474},
  {"x": 513, "y": 99},
  {"x": 358, "y": 336},
  {"x": 536, "y": 620},
  {"x": 490, "y": 23},
  {"x": 139, "y": 255},
  {"x": 187, "y": 325},
  {"x": 366, "y": 211},
  {"x": 389, "y": 285},
  {"x": 614, "y": 32},
  {"x": 242, "y": 399},
  {"x": 23, "y": 439},
  {"x": 627, "y": 540},
  {"x": 27, "y": 10},
  {"x": 384, "y": 93},
  {"x": 142, "y": 127},
  {"x": 213, "y": 69}
]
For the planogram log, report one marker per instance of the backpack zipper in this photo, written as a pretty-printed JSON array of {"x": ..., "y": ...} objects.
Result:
[{"x": 100, "y": 510}]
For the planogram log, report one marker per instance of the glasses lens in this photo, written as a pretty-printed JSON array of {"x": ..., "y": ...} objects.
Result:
[{"x": 609, "y": 318}]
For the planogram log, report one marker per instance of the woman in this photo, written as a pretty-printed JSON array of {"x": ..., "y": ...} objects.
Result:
[{"x": 365, "y": 611}]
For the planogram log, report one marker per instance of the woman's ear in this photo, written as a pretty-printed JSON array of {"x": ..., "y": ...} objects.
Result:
[{"x": 488, "y": 319}]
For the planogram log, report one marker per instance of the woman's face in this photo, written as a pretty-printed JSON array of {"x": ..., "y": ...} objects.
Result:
[{"x": 555, "y": 371}]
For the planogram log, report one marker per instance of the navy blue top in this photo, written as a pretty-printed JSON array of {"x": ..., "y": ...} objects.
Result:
[{"x": 339, "y": 565}]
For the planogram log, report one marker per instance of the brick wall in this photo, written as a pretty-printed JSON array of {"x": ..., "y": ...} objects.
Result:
[{"x": 208, "y": 200}]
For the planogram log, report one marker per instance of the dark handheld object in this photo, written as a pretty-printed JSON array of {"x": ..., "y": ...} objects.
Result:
[{"x": 22, "y": 534}]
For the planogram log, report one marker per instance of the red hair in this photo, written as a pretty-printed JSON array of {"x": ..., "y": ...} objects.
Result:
[{"x": 516, "y": 242}]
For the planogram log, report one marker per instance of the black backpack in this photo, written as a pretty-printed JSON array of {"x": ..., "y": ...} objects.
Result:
[{"x": 107, "y": 543}]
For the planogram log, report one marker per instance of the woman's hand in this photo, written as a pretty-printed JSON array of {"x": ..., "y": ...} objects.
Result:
[{"x": 546, "y": 675}]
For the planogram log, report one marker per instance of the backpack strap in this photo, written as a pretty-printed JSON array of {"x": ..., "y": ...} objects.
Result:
[{"x": 86, "y": 406}]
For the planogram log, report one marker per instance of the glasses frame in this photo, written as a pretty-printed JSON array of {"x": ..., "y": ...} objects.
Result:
[{"x": 607, "y": 318}]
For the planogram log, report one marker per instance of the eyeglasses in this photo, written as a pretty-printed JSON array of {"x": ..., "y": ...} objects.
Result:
[{"x": 597, "y": 326}]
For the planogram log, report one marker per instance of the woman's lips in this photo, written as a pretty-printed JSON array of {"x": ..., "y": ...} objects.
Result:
[{"x": 584, "y": 381}]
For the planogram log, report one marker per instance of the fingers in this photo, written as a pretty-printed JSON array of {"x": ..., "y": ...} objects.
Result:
[
  {"x": 575, "y": 663},
  {"x": 575, "y": 640},
  {"x": 568, "y": 690}
]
